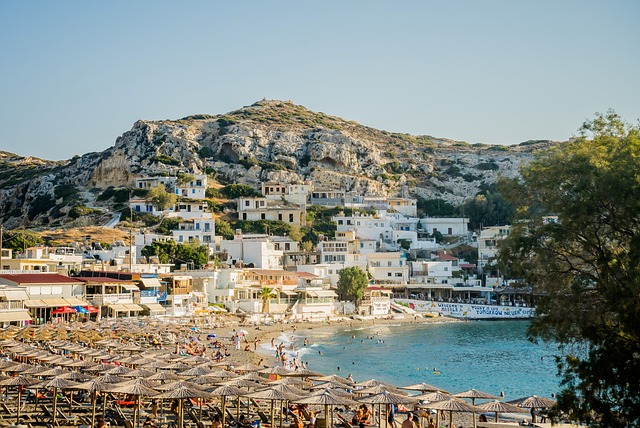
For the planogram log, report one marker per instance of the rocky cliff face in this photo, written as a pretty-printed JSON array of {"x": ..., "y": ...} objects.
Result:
[{"x": 269, "y": 140}]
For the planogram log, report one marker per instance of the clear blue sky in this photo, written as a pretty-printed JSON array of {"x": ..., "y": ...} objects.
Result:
[{"x": 74, "y": 75}]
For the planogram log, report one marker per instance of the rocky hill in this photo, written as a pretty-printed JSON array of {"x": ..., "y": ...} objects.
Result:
[{"x": 268, "y": 140}]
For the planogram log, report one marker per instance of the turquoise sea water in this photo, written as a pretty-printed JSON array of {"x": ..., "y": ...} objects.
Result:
[{"x": 491, "y": 356}]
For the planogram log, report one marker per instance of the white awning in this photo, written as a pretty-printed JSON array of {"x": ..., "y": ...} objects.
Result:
[
  {"x": 55, "y": 303},
  {"x": 74, "y": 301},
  {"x": 16, "y": 295},
  {"x": 151, "y": 282},
  {"x": 289, "y": 293},
  {"x": 21, "y": 315},
  {"x": 154, "y": 307},
  {"x": 130, "y": 287},
  {"x": 118, "y": 308},
  {"x": 35, "y": 303},
  {"x": 133, "y": 307},
  {"x": 321, "y": 293}
]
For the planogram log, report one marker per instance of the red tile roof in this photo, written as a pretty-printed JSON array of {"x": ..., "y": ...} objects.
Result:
[
  {"x": 39, "y": 278},
  {"x": 102, "y": 279},
  {"x": 447, "y": 257}
]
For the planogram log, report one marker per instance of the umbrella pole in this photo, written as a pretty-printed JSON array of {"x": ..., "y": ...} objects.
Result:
[
  {"x": 93, "y": 408},
  {"x": 224, "y": 413},
  {"x": 35, "y": 406},
  {"x": 238, "y": 409},
  {"x": 55, "y": 404},
  {"x": 70, "y": 402},
  {"x": 273, "y": 420},
  {"x": 180, "y": 413},
  {"x": 19, "y": 402},
  {"x": 438, "y": 418},
  {"x": 473, "y": 403},
  {"x": 282, "y": 413},
  {"x": 450, "y": 418},
  {"x": 326, "y": 416},
  {"x": 496, "y": 416},
  {"x": 137, "y": 415},
  {"x": 104, "y": 405}
]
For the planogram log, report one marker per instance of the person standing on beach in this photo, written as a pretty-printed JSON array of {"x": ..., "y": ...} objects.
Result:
[{"x": 408, "y": 423}]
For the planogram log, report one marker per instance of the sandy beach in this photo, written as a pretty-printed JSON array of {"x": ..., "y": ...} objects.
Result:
[{"x": 129, "y": 340}]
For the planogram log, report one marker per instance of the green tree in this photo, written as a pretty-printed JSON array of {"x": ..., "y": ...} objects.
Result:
[
  {"x": 176, "y": 253},
  {"x": 585, "y": 266},
  {"x": 160, "y": 198},
  {"x": 295, "y": 233},
  {"x": 488, "y": 208},
  {"x": 19, "y": 240},
  {"x": 224, "y": 229},
  {"x": 266, "y": 294},
  {"x": 352, "y": 283},
  {"x": 234, "y": 191}
]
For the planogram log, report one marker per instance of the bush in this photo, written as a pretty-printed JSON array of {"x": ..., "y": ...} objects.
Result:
[
  {"x": 40, "y": 204},
  {"x": 167, "y": 160},
  {"x": 234, "y": 191},
  {"x": 78, "y": 211},
  {"x": 206, "y": 152},
  {"x": 488, "y": 166},
  {"x": 65, "y": 191}
]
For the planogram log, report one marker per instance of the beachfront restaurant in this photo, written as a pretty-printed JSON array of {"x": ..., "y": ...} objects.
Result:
[{"x": 445, "y": 293}]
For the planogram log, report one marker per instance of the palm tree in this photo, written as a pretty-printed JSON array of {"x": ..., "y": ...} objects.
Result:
[{"x": 266, "y": 294}]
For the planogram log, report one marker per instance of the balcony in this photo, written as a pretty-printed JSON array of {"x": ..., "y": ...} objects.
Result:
[
  {"x": 11, "y": 305},
  {"x": 109, "y": 299}
]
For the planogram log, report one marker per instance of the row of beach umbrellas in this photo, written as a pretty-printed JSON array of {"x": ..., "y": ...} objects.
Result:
[{"x": 143, "y": 372}]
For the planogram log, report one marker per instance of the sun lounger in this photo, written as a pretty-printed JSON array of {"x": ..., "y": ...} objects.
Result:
[{"x": 344, "y": 422}]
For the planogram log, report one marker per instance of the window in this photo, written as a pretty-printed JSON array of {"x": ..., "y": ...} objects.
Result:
[
  {"x": 388, "y": 273},
  {"x": 193, "y": 191},
  {"x": 290, "y": 218},
  {"x": 197, "y": 226},
  {"x": 287, "y": 246},
  {"x": 280, "y": 216},
  {"x": 340, "y": 222},
  {"x": 389, "y": 264},
  {"x": 244, "y": 216},
  {"x": 263, "y": 216},
  {"x": 450, "y": 231},
  {"x": 246, "y": 203}
]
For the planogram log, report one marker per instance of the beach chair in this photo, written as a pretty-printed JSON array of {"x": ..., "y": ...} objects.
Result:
[
  {"x": 344, "y": 422},
  {"x": 264, "y": 419}
]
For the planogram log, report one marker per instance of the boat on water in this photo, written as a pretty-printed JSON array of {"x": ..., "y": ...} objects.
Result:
[{"x": 471, "y": 311}]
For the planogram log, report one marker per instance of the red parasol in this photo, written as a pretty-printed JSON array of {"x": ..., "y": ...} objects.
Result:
[{"x": 64, "y": 310}]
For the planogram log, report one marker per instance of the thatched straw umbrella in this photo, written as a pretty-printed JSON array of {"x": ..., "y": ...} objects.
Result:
[
  {"x": 422, "y": 387},
  {"x": 326, "y": 399},
  {"x": 224, "y": 392},
  {"x": 333, "y": 378},
  {"x": 386, "y": 397},
  {"x": 57, "y": 383},
  {"x": 533, "y": 402},
  {"x": 453, "y": 405},
  {"x": 180, "y": 391},
  {"x": 473, "y": 394},
  {"x": 273, "y": 395},
  {"x": 247, "y": 368},
  {"x": 18, "y": 381},
  {"x": 500, "y": 407},
  {"x": 136, "y": 387},
  {"x": 93, "y": 386}
]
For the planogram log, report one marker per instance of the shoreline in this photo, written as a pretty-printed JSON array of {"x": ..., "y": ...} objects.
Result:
[{"x": 265, "y": 333}]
